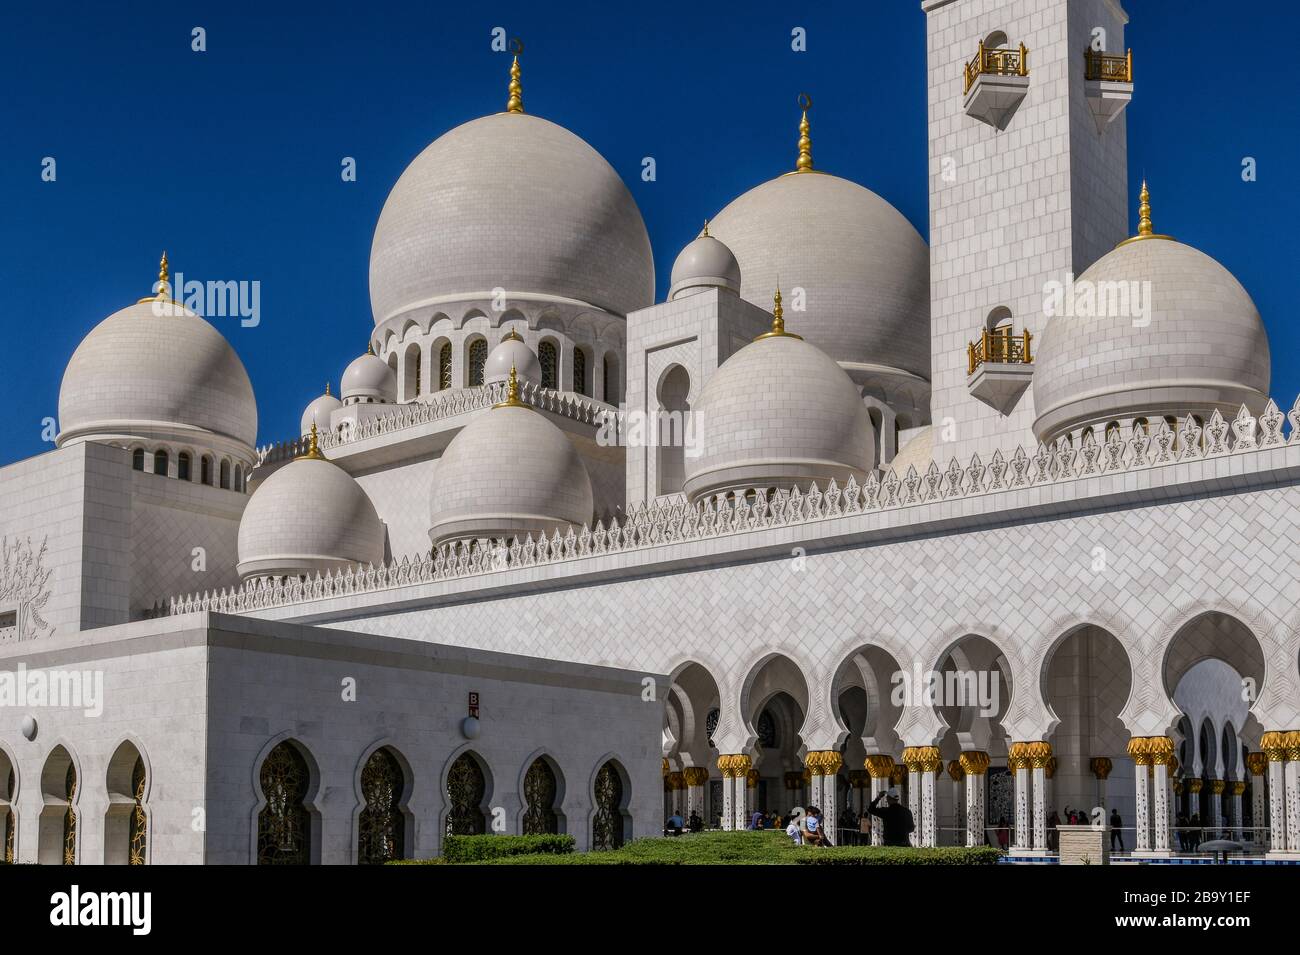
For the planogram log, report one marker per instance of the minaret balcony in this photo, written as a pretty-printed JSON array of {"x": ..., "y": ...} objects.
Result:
[
  {"x": 1108, "y": 82},
  {"x": 999, "y": 367},
  {"x": 995, "y": 83}
]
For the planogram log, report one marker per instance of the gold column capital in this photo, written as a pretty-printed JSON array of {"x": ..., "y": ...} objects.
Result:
[
  {"x": 975, "y": 762},
  {"x": 931, "y": 761},
  {"x": 1273, "y": 743},
  {"x": 1161, "y": 749},
  {"x": 667, "y": 769},
  {"x": 1039, "y": 752},
  {"x": 1101, "y": 766},
  {"x": 1139, "y": 750},
  {"x": 955, "y": 770},
  {"x": 1238, "y": 788},
  {"x": 1257, "y": 763},
  {"x": 1194, "y": 785},
  {"x": 732, "y": 765},
  {"x": 859, "y": 778},
  {"x": 695, "y": 775},
  {"x": 751, "y": 778},
  {"x": 898, "y": 775},
  {"x": 1292, "y": 742},
  {"x": 1217, "y": 786},
  {"x": 676, "y": 781},
  {"x": 880, "y": 766}
]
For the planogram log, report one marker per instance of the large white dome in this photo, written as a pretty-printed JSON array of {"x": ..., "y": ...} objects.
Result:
[
  {"x": 865, "y": 270},
  {"x": 778, "y": 413},
  {"x": 156, "y": 369},
  {"x": 516, "y": 202},
  {"x": 310, "y": 516},
  {"x": 1202, "y": 347},
  {"x": 509, "y": 473}
]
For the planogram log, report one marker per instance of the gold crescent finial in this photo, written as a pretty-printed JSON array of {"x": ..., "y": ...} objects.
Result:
[
  {"x": 515, "y": 104},
  {"x": 705, "y": 233},
  {"x": 512, "y": 392},
  {"x": 804, "y": 163},
  {"x": 327, "y": 389}
]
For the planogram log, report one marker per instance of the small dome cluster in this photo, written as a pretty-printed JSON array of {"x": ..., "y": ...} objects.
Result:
[
  {"x": 704, "y": 263},
  {"x": 368, "y": 380}
]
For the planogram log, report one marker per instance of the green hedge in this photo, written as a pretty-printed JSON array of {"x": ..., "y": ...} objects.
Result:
[
  {"x": 887, "y": 855},
  {"x": 456, "y": 849}
]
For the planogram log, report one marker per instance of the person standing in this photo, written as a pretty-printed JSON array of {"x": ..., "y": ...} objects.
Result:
[
  {"x": 895, "y": 818},
  {"x": 1116, "y": 830}
]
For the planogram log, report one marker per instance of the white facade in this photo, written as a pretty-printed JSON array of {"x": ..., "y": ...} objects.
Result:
[{"x": 1112, "y": 619}]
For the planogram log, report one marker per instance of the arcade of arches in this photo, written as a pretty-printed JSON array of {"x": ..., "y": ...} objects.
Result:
[{"x": 769, "y": 745}]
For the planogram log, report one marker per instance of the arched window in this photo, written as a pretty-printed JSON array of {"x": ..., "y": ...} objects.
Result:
[
  {"x": 411, "y": 367},
  {"x": 239, "y": 477},
  {"x": 382, "y": 824},
  {"x": 225, "y": 475},
  {"x": 444, "y": 367},
  {"x": 1140, "y": 426},
  {"x": 546, "y": 356},
  {"x": 1112, "y": 429},
  {"x": 160, "y": 462},
  {"x": 611, "y": 379},
  {"x": 126, "y": 825},
  {"x": 766, "y": 730},
  {"x": 540, "y": 791},
  {"x": 580, "y": 370},
  {"x": 608, "y": 825},
  {"x": 711, "y": 724},
  {"x": 137, "y": 459},
  {"x": 57, "y": 836},
  {"x": 671, "y": 435},
  {"x": 478, "y": 351},
  {"x": 466, "y": 787},
  {"x": 205, "y": 470},
  {"x": 284, "y": 824},
  {"x": 70, "y": 817},
  {"x": 183, "y": 466},
  {"x": 7, "y": 796}
]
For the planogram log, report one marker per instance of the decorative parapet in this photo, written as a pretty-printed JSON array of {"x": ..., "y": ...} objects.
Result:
[
  {"x": 445, "y": 405},
  {"x": 1108, "y": 83},
  {"x": 658, "y": 525},
  {"x": 999, "y": 346}
]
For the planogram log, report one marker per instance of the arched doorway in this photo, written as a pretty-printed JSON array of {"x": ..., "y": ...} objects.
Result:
[
  {"x": 690, "y": 717},
  {"x": 541, "y": 798},
  {"x": 284, "y": 826},
  {"x": 126, "y": 823},
  {"x": 8, "y": 784},
  {"x": 671, "y": 435},
  {"x": 381, "y": 827},
  {"x": 467, "y": 788},
  {"x": 58, "y": 824},
  {"x": 609, "y": 824}
]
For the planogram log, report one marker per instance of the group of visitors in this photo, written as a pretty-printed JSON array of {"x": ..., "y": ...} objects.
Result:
[
  {"x": 675, "y": 825},
  {"x": 1189, "y": 832},
  {"x": 806, "y": 829}
]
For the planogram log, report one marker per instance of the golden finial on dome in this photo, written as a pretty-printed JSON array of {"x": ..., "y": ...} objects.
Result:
[
  {"x": 515, "y": 104},
  {"x": 327, "y": 389},
  {"x": 370, "y": 348},
  {"x": 512, "y": 392},
  {"x": 705, "y": 233},
  {"x": 778, "y": 319},
  {"x": 313, "y": 448},
  {"x": 512, "y": 336},
  {"x": 163, "y": 292},
  {"x": 804, "y": 163},
  {"x": 1145, "y": 229}
]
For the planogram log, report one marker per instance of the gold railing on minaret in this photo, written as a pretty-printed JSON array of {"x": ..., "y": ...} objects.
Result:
[
  {"x": 1114, "y": 68},
  {"x": 999, "y": 346},
  {"x": 999, "y": 61}
]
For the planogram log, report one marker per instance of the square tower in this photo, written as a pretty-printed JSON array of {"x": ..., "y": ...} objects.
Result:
[{"x": 1028, "y": 186}]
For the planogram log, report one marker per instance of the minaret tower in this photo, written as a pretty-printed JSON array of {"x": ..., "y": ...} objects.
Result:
[{"x": 1028, "y": 186}]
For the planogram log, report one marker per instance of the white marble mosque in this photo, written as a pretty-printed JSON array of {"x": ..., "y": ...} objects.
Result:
[{"x": 551, "y": 556}]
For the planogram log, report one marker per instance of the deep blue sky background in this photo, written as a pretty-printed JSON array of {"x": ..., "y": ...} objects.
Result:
[{"x": 229, "y": 159}]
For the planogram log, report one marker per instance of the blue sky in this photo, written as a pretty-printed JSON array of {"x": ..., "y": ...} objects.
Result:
[{"x": 230, "y": 159}]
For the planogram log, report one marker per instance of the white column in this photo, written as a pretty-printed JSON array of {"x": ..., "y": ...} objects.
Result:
[
  {"x": 958, "y": 809},
  {"x": 1142, "y": 812},
  {"x": 1019, "y": 764},
  {"x": 1276, "y": 792},
  {"x": 831, "y": 762},
  {"x": 741, "y": 796},
  {"x": 914, "y": 798},
  {"x": 879, "y": 767},
  {"x": 1258, "y": 765},
  {"x": 1040, "y": 808},
  {"x": 1160, "y": 814},
  {"x": 1292, "y": 777},
  {"x": 726, "y": 764},
  {"x": 975, "y": 763},
  {"x": 1238, "y": 834}
]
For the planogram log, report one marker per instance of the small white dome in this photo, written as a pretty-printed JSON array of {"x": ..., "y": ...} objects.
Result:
[
  {"x": 319, "y": 412},
  {"x": 509, "y": 473},
  {"x": 309, "y": 516},
  {"x": 704, "y": 263},
  {"x": 864, "y": 269},
  {"x": 369, "y": 377},
  {"x": 512, "y": 201},
  {"x": 778, "y": 413},
  {"x": 512, "y": 353},
  {"x": 156, "y": 369},
  {"x": 1201, "y": 347}
]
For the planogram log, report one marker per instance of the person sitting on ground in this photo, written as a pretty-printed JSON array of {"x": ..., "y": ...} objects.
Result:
[
  {"x": 812, "y": 834},
  {"x": 895, "y": 817},
  {"x": 756, "y": 820},
  {"x": 675, "y": 823},
  {"x": 794, "y": 830},
  {"x": 696, "y": 824}
]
